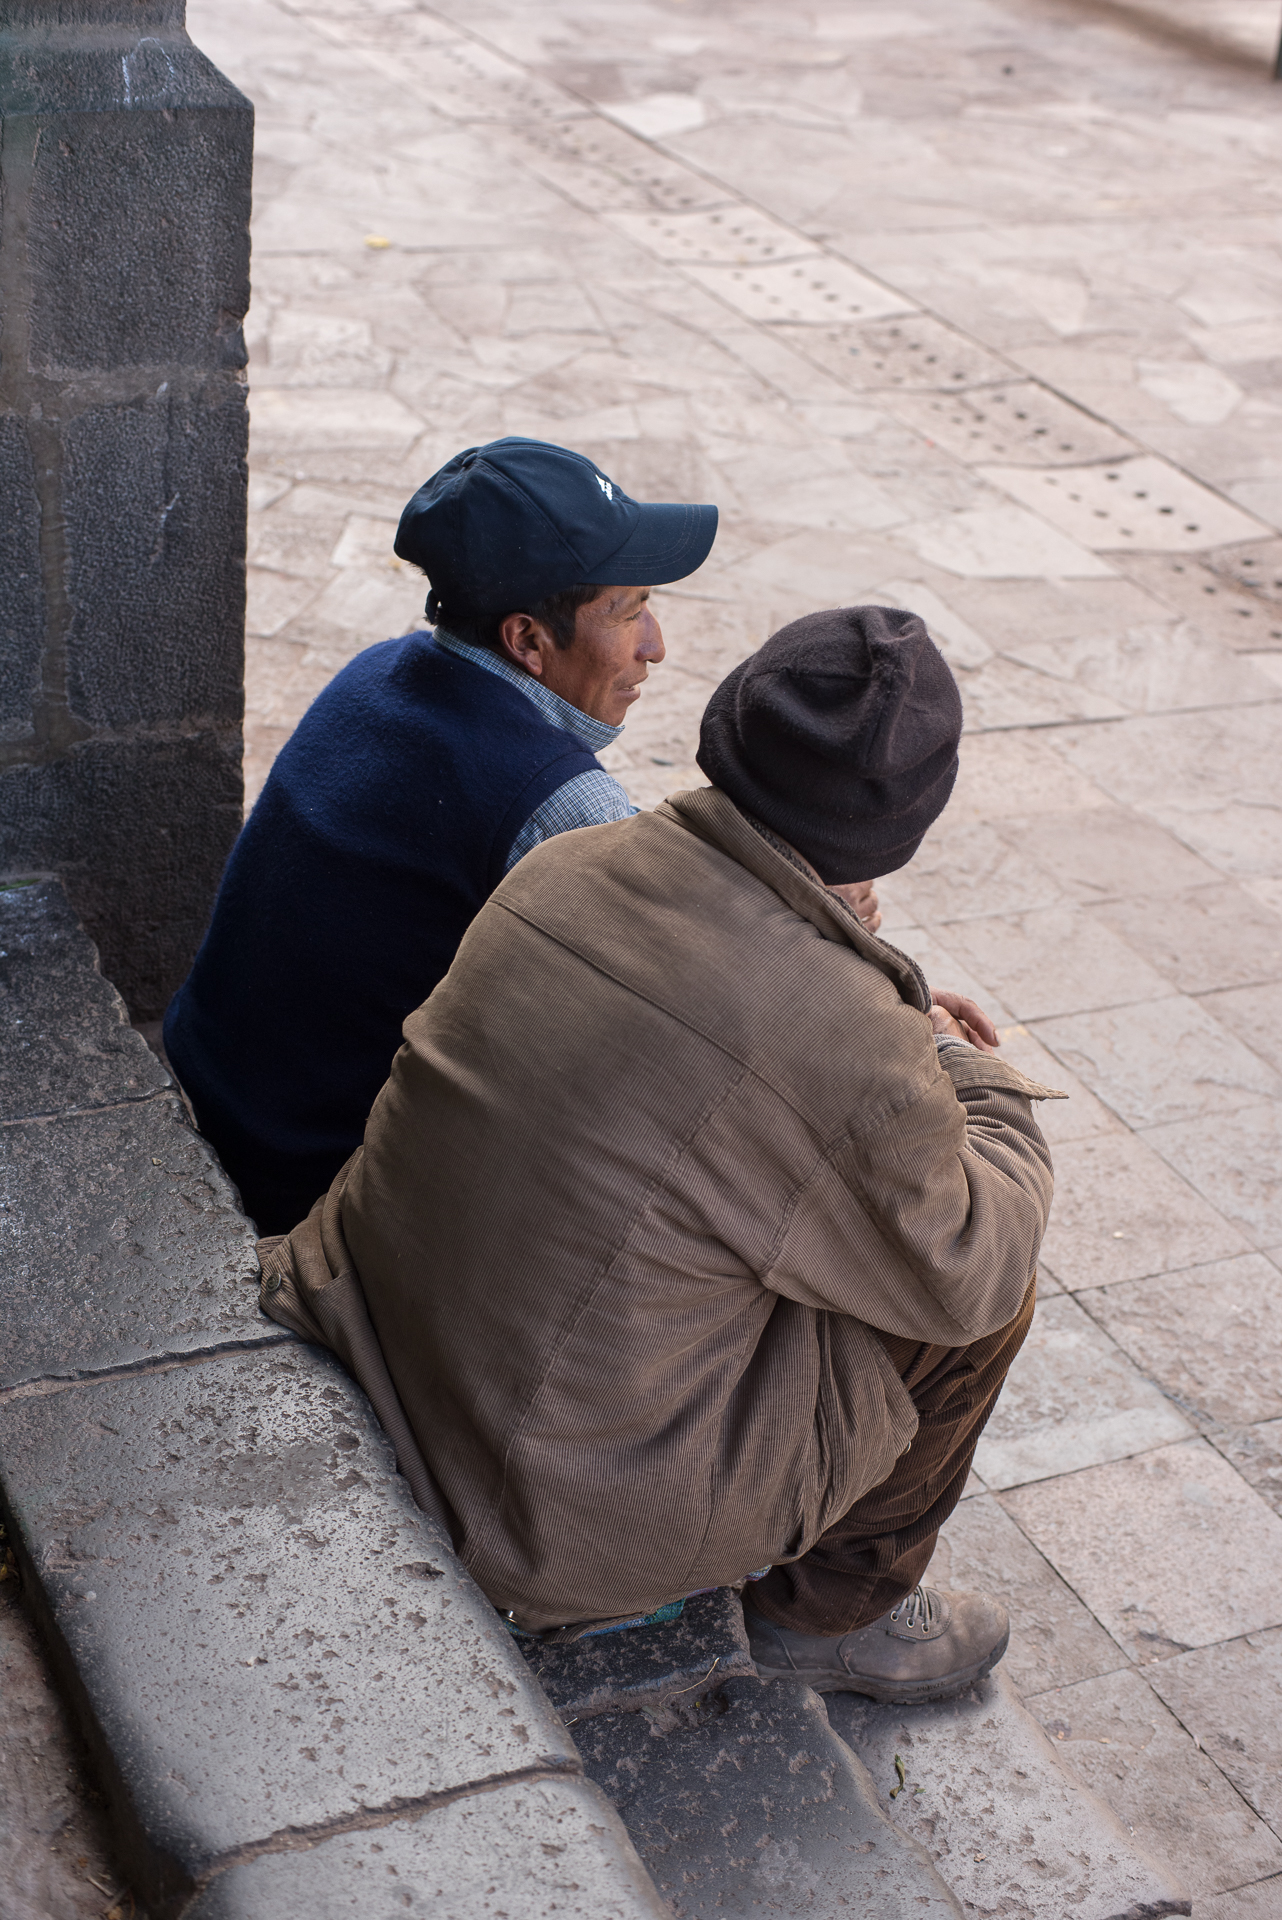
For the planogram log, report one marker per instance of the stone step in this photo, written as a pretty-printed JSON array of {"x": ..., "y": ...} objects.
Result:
[
  {"x": 1007, "y": 1826},
  {"x": 750, "y": 1805},
  {"x": 646, "y": 1667},
  {"x": 748, "y": 1798},
  {"x": 738, "y": 1796}
]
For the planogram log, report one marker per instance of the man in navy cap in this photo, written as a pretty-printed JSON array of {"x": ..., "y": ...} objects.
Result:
[{"x": 426, "y": 769}]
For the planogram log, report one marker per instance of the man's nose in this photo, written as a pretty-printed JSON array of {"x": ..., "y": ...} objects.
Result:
[{"x": 652, "y": 647}]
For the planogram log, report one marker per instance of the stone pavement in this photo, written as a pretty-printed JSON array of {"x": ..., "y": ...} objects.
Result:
[{"x": 973, "y": 306}]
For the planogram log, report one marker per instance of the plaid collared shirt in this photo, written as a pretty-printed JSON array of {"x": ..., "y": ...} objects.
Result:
[{"x": 589, "y": 799}]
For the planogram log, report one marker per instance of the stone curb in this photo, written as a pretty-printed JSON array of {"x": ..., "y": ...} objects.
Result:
[{"x": 285, "y": 1677}]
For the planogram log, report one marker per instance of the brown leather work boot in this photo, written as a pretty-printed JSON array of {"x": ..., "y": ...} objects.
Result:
[{"x": 930, "y": 1647}]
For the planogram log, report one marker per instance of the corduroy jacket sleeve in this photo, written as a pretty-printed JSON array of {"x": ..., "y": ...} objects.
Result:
[{"x": 926, "y": 1219}]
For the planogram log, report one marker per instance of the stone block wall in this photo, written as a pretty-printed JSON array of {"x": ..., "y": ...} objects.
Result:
[{"x": 125, "y": 162}]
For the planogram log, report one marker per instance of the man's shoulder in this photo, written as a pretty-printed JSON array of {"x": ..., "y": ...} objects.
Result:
[
  {"x": 408, "y": 694},
  {"x": 678, "y": 922}
]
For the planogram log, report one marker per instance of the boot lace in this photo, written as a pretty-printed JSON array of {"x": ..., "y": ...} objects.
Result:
[{"x": 917, "y": 1609}]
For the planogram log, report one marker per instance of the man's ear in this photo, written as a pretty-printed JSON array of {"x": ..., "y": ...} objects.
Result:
[{"x": 525, "y": 642}]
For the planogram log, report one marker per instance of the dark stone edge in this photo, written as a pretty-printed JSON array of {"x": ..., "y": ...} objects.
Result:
[
  {"x": 46, "y": 1383},
  {"x": 166, "y": 1889},
  {"x": 86, "y": 1112},
  {"x": 652, "y": 1695}
]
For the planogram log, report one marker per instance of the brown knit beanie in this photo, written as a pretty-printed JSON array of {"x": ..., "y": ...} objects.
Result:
[{"x": 840, "y": 734}]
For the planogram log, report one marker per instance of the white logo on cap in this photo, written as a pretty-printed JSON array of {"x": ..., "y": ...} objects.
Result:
[{"x": 605, "y": 487}]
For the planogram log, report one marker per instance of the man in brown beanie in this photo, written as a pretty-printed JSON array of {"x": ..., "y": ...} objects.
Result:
[{"x": 692, "y": 1237}]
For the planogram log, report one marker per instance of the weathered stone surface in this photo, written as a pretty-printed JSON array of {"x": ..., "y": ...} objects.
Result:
[
  {"x": 543, "y": 1850},
  {"x": 1256, "y": 1452},
  {"x": 1011, "y": 1831},
  {"x": 1208, "y": 1336},
  {"x": 645, "y": 1666},
  {"x": 126, "y": 165},
  {"x": 261, "y": 1631},
  {"x": 65, "y": 1038},
  {"x": 760, "y": 1809},
  {"x": 1071, "y": 1400},
  {"x": 53, "y": 1825},
  {"x": 112, "y": 175},
  {"x": 1170, "y": 1550},
  {"x": 120, "y": 1241},
  {"x": 1123, "y": 1744},
  {"x": 1053, "y": 1637},
  {"x": 1230, "y": 1699},
  {"x": 22, "y": 602},
  {"x": 1182, "y": 935},
  {"x": 138, "y": 829},
  {"x": 1260, "y": 1901},
  {"x": 1165, "y": 1061},
  {"x": 1235, "y": 1164},
  {"x": 1120, "y": 1213},
  {"x": 136, "y": 576}
]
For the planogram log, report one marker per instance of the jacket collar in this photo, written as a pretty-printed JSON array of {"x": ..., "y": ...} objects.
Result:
[{"x": 714, "y": 817}]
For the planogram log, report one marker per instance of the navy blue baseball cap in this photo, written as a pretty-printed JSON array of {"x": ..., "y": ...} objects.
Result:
[{"x": 501, "y": 526}]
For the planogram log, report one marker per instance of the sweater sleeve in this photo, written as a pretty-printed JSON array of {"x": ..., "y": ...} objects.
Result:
[
  {"x": 927, "y": 1223},
  {"x": 590, "y": 799}
]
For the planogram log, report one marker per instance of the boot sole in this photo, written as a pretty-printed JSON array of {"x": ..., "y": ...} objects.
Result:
[{"x": 891, "y": 1693}]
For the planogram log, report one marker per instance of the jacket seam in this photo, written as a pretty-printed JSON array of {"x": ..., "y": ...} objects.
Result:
[
  {"x": 627, "y": 986},
  {"x": 859, "y": 1188},
  {"x": 592, "y": 1287}
]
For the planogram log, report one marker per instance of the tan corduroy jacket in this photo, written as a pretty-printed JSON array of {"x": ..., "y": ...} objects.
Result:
[{"x": 668, "y": 1142}]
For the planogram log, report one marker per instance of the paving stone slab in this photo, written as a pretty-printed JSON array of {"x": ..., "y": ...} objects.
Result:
[
  {"x": 1120, "y": 1213},
  {"x": 1261, "y": 1901},
  {"x": 760, "y": 1809},
  {"x": 1237, "y": 1164},
  {"x": 1011, "y": 1830},
  {"x": 1207, "y": 1336},
  {"x": 260, "y": 1630},
  {"x": 1054, "y": 1639},
  {"x": 1256, "y": 1452},
  {"x": 916, "y": 352},
  {"x": 1117, "y": 1737},
  {"x": 1055, "y": 960},
  {"x": 1158, "y": 1063},
  {"x": 1230, "y": 1699},
  {"x": 1019, "y": 422},
  {"x": 1169, "y": 1551},
  {"x": 120, "y": 1241},
  {"x": 1072, "y": 1399},
  {"x": 65, "y": 1037},
  {"x": 1183, "y": 936},
  {"x": 1142, "y": 504},
  {"x": 1108, "y": 854},
  {"x": 1239, "y": 620},
  {"x": 645, "y": 1666},
  {"x": 534, "y": 1849}
]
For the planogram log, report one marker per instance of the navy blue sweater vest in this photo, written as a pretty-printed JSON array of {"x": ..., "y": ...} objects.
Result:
[{"x": 384, "y": 825}]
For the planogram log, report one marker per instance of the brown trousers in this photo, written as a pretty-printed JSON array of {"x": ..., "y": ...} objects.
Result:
[{"x": 877, "y": 1552}]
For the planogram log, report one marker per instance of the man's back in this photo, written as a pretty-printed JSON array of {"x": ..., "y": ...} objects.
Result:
[
  {"x": 386, "y": 821},
  {"x": 668, "y": 1141}
]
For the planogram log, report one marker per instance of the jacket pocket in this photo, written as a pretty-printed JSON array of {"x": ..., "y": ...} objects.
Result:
[{"x": 864, "y": 1418}]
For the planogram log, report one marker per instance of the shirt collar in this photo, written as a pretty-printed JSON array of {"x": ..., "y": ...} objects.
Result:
[{"x": 593, "y": 733}]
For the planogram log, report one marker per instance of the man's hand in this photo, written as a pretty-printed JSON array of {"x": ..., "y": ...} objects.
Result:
[
  {"x": 956, "y": 1014},
  {"x": 861, "y": 897}
]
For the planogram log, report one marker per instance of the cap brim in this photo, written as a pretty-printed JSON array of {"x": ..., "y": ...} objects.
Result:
[{"x": 667, "y": 543}]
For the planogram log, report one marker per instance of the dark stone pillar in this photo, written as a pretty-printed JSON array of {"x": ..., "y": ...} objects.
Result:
[{"x": 124, "y": 276}]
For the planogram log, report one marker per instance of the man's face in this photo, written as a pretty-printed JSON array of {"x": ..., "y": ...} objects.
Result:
[{"x": 616, "y": 638}]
